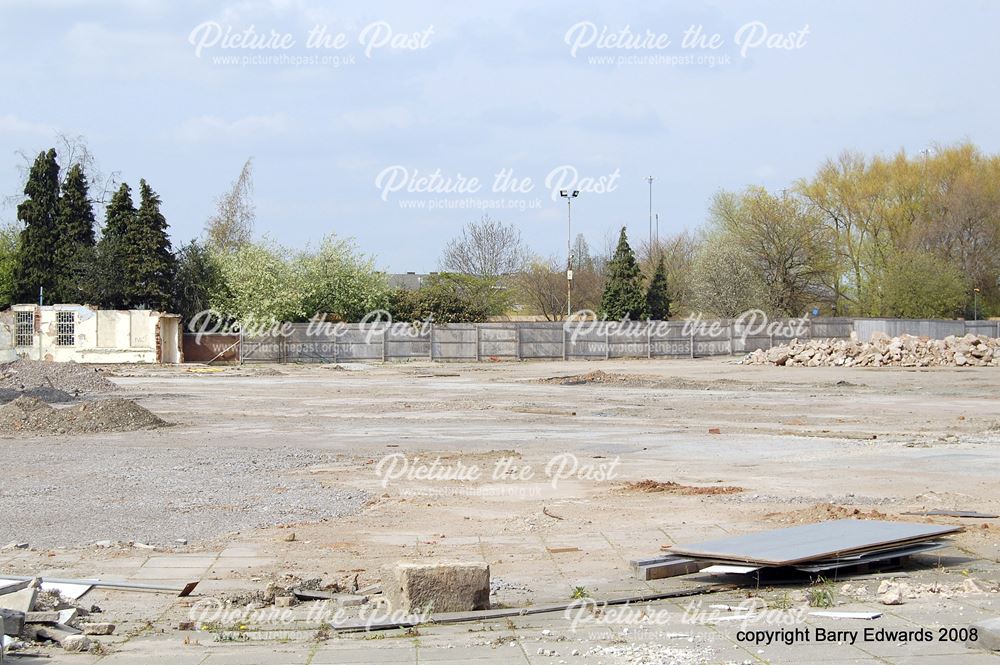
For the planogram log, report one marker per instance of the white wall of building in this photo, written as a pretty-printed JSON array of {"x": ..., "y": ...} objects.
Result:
[{"x": 97, "y": 336}]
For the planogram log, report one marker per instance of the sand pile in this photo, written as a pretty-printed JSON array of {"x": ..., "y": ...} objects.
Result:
[
  {"x": 70, "y": 377},
  {"x": 32, "y": 415}
]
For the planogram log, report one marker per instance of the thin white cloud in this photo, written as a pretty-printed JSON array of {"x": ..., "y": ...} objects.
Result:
[
  {"x": 213, "y": 128},
  {"x": 377, "y": 120},
  {"x": 11, "y": 125}
]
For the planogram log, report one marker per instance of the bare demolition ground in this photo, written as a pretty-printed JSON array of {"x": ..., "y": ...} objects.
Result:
[{"x": 257, "y": 454}]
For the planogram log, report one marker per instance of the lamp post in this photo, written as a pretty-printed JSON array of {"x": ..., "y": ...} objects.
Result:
[
  {"x": 569, "y": 196},
  {"x": 650, "y": 179}
]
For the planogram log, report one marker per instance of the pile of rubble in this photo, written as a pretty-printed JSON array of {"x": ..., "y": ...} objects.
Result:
[
  {"x": 32, "y": 415},
  {"x": 881, "y": 351},
  {"x": 32, "y": 614},
  {"x": 70, "y": 377}
]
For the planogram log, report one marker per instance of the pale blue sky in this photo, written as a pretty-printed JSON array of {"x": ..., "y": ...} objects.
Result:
[{"x": 491, "y": 86}]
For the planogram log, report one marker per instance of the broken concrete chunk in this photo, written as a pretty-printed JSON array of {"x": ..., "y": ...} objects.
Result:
[
  {"x": 890, "y": 593},
  {"x": 102, "y": 628},
  {"x": 22, "y": 601},
  {"x": 284, "y": 601},
  {"x": 437, "y": 587},
  {"x": 76, "y": 643},
  {"x": 13, "y": 622}
]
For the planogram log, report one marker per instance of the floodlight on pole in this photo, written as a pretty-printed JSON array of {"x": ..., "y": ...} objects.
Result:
[{"x": 569, "y": 196}]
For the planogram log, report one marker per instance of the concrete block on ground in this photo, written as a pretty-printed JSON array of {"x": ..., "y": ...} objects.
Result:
[
  {"x": 102, "y": 628},
  {"x": 437, "y": 587},
  {"x": 987, "y": 635},
  {"x": 22, "y": 601},
  {"x": 13, "y": 622}
]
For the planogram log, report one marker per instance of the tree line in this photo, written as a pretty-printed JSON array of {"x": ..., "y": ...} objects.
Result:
[{"x": 901, "y": 236}]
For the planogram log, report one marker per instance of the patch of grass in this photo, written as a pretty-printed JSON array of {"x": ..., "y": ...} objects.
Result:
[
  {"x": 782, "y": 602},
  {"x": 821, "y": 594},
  {"x": 579, "y": 592}
]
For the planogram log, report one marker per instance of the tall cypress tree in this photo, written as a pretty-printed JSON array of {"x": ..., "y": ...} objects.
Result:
[
  {"x": 74, "y": 239},
  {"x": 154, "y": 263},
  {"x": 114, "y": 277},
  {"x": 623, "y": 295},
  {"x": 657, "y": 298},
  {"x": 36, "y": 261}
]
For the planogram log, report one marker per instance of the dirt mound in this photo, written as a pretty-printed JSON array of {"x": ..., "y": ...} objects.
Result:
[
  {"x": 827, "y": 511},
  {"x": 50, "y": 395},
  {"x": 599, "y": 376},
  {"x": 69, "y": 376},
  {"x": 651, "y": 486},
  {"x": 32, "y": 415}
]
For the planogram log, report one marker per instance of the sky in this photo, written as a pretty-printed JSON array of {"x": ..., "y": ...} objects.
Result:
[{"x": 396, "y": 123}]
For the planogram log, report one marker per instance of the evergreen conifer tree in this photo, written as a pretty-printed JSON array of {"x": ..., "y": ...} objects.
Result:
[{"x": 623, "y": 295}]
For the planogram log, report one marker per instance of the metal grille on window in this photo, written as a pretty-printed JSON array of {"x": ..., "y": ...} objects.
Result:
[
  {"x": 65, "y": 329},
  {"x": 25, "y": 331}
]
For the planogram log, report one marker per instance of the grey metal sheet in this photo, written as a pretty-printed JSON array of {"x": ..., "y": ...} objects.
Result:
[
  {"x": 954, "y": 513},
  {"x": 823, "y": 540},
  {"x": 873, "y": 558}
]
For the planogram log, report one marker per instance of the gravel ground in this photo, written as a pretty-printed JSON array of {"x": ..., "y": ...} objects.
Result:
[
  {"x": 75, "y": 495},
  {"x": 27, "y": 415}
]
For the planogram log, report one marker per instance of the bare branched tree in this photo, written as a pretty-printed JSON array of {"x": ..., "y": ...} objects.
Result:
[
  {"x": 232, "y": 224},
  {"x": 70, "y": 151},
  {"x": 487, "y": 248}
]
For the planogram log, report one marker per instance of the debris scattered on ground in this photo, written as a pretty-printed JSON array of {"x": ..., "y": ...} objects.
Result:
[
  {"x": 32, "y": 415},
  {"x": 827, "y": 511},
  {"x": 652, "y": 486},
  {"x": 599, "y": 376},
  {"x": 70, "y": 377},
  {"x": 43, "y": 614},
  {"x": 903, "y": 351}
]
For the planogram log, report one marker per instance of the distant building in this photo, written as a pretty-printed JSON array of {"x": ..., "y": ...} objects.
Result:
[
  {"x": 410, "y": 281},
  {"x": 85, "y": 335}
]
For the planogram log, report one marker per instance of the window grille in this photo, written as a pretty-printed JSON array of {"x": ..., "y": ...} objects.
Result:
[
  {"x": 65, "y": 329},
  {"x": 24, "y": 334}
]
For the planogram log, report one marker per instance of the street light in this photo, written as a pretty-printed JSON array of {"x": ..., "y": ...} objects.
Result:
[{"x": 569, "y": 196}]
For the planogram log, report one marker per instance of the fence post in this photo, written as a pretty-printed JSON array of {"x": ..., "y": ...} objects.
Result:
[
  {"x": 385, "y": 342},
  {"x": 729, "y": 328},
  {"x": 562, "y": 330},
  {"x": 240, "y": 356},
  {"x": 691, "y": 342},
  {"x": 607, "y": 342},
  {"x": 430, "y": 345},
  {"x": 478, "y": 353},
  {"x": 517, "y": 341}
]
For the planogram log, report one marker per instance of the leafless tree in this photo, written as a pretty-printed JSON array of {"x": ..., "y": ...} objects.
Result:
[
  {"x": 232, "y": 224},
  {"x": 486, "y": 248},
  {"x": 70, "y": 151}
]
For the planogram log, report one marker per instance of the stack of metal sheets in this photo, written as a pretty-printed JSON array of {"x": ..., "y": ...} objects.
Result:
[{"x": 812, "y": 548}]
